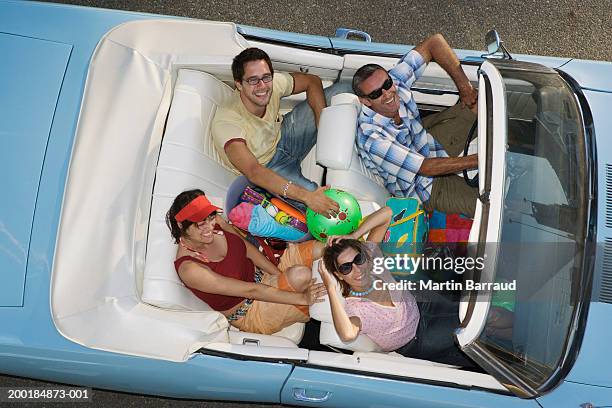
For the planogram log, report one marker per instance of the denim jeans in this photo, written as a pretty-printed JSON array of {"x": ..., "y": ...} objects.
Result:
[
  {"x": 298, "y": 136},
  {"x": 434, "y": 340}
]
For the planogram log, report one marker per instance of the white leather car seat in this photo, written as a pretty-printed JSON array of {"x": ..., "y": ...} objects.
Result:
[
  {"x": 337, "y": 150},
  {"x": 188, "y": 160}
]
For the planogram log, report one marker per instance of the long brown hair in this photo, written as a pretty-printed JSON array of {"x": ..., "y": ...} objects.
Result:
[{"x": 330, "y": 259}]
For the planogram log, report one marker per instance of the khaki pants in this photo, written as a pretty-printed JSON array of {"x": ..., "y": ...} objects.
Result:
[
  {"x": 450, "y": 194},
  {"x": 267, "y": 318}
]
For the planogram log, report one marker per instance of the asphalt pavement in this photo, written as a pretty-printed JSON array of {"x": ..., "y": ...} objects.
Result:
[
  {"x": 563, "y": 28},
  {"x": 101, "y": 398}
]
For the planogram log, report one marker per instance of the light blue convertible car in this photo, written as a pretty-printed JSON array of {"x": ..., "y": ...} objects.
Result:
[{"x": 105, "y": 117}]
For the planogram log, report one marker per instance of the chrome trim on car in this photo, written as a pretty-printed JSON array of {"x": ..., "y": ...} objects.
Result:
[
  {"x": 345, "y": 32},
  {"x": 514, "y": 65},
  {"x": 490, "y": 363}
]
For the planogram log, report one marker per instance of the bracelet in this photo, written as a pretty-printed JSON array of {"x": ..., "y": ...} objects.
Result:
[{"x": 286, "y": 188}]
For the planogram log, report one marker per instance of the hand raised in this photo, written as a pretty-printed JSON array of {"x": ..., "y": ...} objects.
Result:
[
  {"x": 328, "y": 280},
  {"x": 334, "y": 239},
  {"x": 314, "y": 292}
]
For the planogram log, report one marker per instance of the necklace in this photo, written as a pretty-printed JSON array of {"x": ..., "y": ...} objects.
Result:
[
  {"x": 199, "y": 255},
  {"x": 364, "y": 293}
]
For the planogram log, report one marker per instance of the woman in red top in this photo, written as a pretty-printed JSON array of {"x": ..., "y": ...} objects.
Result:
[{"x": 233, "y": 277}]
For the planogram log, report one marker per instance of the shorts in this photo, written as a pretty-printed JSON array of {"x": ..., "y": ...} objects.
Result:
[{"x": 266, "y": 317}]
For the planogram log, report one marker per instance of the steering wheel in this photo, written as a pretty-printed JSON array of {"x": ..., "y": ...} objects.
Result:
[{"x": 472, "y": 182}]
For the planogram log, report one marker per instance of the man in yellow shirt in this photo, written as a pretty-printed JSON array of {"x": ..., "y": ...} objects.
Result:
[{"x": 253, "y": 139}]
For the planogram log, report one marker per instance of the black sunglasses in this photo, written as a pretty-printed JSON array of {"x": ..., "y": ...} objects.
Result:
[
  {"x": 375, "y": 94},
  {"x": 347, "y": 267}
]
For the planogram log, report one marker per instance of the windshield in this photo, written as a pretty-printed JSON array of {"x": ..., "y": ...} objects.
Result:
[{"x": 543, "y": 227}]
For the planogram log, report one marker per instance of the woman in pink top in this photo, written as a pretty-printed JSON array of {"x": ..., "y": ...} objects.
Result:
[
  {"x": 393, "y": 319},
  {"x": 388, "y": 317}
]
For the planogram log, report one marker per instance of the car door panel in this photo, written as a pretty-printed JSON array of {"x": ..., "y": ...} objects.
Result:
[
  {"x": 325, "y": 388},
  {"x": 210, "y": 377}
]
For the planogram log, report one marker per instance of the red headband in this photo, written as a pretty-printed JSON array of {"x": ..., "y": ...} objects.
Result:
[{"x": 197, "y": 210}]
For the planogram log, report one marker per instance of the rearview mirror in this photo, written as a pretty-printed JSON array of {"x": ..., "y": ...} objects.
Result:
[
  {"x": 492, "y": 42},
  {"x": 495, "y": 46}
]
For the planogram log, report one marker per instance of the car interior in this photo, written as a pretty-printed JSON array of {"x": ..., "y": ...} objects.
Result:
[{"x": 145, "y": 138}]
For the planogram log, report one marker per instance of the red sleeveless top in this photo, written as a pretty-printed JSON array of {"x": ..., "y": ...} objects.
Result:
[{"x": 235, "y": 265}]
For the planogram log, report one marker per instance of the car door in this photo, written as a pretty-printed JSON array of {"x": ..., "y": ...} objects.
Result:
[
  {"x": 343, "y": 45},
  {"x": 324, "y": 387},
  {"x": 294, "y": 52}
]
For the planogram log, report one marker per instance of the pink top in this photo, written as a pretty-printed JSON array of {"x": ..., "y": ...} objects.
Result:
[{"x": 389, "y": 327}]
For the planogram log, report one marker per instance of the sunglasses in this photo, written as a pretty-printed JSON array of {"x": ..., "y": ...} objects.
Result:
[
  {"x": 347, "y": 267},
  {"x": 375, "y": 94}
]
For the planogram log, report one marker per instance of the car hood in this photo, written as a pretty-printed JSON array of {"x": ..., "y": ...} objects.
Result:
[
  {"x": 592, "y": 75},
  {"x": 594, "y": 359}
]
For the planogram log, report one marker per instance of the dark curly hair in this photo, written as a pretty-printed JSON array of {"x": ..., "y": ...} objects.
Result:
[
  {"x": 248, "y": 55},
  {"x": 330, "y": 258},
  {"x": 178, "y": 230}
]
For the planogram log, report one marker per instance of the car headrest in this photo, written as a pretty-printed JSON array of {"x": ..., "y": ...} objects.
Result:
[{"x": 337, "y": 131}]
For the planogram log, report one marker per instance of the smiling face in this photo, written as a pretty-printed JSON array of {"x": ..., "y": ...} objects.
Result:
[
  {"x": 202, "y": 232},
  {"x": 359, "y": 277},
  {"x": 387, "y": 104},
  {"x": 255, "y": 97}
]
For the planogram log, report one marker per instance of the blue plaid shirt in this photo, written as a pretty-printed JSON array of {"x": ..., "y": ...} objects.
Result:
[{"x": 396, "y": 152}]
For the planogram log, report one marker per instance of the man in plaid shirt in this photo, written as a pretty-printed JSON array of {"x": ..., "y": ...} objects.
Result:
[{"x": 393, "y": 142}]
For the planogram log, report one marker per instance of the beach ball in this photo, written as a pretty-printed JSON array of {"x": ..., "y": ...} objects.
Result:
[{"x": 344, "y": 222}]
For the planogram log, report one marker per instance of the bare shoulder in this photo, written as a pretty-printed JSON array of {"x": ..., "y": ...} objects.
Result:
[{"x": 191, "y": 270}]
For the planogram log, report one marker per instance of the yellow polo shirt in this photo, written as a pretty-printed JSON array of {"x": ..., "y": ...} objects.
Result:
[{"x": 233, "y": 121}]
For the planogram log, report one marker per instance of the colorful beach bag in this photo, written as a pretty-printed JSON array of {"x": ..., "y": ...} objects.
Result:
[
  {"x": 407, "y": 232},
  {"x": 278, "y": 209}
]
